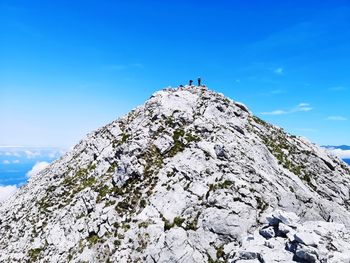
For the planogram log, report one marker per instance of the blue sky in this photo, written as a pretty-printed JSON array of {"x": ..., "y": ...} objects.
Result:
[{"x": 68, "y": 67}]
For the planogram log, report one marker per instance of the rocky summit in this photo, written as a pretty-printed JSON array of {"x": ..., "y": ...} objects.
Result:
[{"x": 189, "y": 176}]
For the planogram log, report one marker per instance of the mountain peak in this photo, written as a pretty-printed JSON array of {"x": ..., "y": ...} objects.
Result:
[
  {"x": 189, "y": 176},
  {"x": 189, "y": 98}
]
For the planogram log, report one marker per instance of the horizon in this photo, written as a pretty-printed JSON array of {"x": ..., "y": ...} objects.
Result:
[
  {"x": 66, "y": 72},
  {"x": 174, "y": 131}
]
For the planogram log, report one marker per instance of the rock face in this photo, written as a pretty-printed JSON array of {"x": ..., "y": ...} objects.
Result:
[{"x": 190, "y": 176}]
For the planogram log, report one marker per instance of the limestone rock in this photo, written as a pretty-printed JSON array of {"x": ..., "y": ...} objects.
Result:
[{"x": 189, "y": 176}]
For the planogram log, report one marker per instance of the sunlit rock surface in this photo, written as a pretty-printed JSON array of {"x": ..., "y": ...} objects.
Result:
[{"x": 190, "y": 176}]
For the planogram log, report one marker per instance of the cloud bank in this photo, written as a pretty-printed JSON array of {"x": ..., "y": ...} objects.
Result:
[
  {"x": 336, "y": 118},
  {"x": 278, "y": 71},
  {"x": 343, "y": 154},
  {"x": 7, "y": 191},
  {"x": 301, "y": 107},
  {"x": 37, "y": 168},
  {"x": 31, "y": 153}
]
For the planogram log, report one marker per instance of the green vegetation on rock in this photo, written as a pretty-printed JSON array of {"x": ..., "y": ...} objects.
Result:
[{"x": 34, "y": 254}]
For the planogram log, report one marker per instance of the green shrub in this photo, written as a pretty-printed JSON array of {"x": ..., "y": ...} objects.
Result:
[
  {"x": 178, "y": 221},
  {"x": 34, "y": 254},
  {"x": 93, "y": 239}
]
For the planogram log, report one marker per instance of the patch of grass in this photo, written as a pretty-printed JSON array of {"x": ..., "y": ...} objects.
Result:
[
  {"x": 167, "y": 224},
  {"x": 220, "y": 252},
  {"x": 178, "y": 221},
  {"x": 102, "y": 192},
  {"x": 142, "y": 241},
  {"x": 261, "y": 204},
  {"x": 110, "y": 203},
  {"x": 143, "y": 224},
  {"x": 123, "y": 205},
  {"x": 219, "y": 185},
  {"x": 34, "y": 254},
  {"x": 125, "y": 138},
  {"x": 91, "y": 167},
  {"x": 308, "y": 179},
  {"x": 192, "y": 225},
  {"x": 44, "y": 204},
  {"x": 93, "y": 239},
  {"x": 125, "y": 227},
  {"x": 277, "y": 145},
  {"x": 81, "y": 246},
  {"x": 225, "y": 185},
  {"x": 210, "y": 260},
  {"x": 259, "y": 121},
  {"x": 192, "y": 138},
  {"x": 170, "y": 121},
  {"x": 111, "y": 169},
  {"x": 143, "y": 203},
  {"x": 178, "y": 146},
  {"x": 90, "y": 181},
  {"x": 181, "y": 140},
  {"x": 154, "y": 160}
]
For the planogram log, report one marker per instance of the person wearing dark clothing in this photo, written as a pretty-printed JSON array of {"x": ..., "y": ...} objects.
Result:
[
  {"x": 191, "y": 81},
  {"x": 199, "y": 82}
]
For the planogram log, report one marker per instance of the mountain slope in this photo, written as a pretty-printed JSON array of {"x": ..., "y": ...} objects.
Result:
[{"x": 190, "y": 176}]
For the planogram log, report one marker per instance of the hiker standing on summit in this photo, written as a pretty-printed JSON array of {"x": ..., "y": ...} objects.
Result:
[{"x": 199, "y": 81}]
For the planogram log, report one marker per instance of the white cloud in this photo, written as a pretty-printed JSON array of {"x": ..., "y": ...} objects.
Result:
[
  {"x": 7, "y": 191},
  {"x": 118, "y": 67},
  {"x": 114, "y": 67},
  {"x": 306, "y": 130},
  {"x": 275, "y": 112},
  {"x": 55, "y": 153},
  {"x": 52, "y": 154},
  {"x": 9, "y": 162},
  {"x": 338, "y": 88},
  {"x": 277, "y": 91},
  {"x": 16, "y": 154},
  {"x": 336, "y": 118},
  {"x": 343, "y": 154},
  {"x": 137, "y": 65},
  {"x": 278, "y": 71},
  {"x": 37, "y": 168},
  {"x": 31, "y": 154},
  {"x": 301, "y": 107}
]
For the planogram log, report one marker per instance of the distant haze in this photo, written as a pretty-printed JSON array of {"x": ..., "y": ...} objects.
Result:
[{"x": 16, "y": 162}]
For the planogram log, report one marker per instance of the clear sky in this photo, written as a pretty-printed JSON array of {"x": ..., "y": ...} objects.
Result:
[{"x": 68, "y": 67}]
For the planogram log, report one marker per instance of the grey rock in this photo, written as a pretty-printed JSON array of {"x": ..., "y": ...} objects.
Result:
[
  {"x": 189, "y": 176},
  {"x": 267, "y": 232},
  {"x": 306, "y": 253}
]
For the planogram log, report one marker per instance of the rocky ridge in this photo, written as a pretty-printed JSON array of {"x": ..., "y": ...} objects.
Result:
[{"x": 190, "y": 176}]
